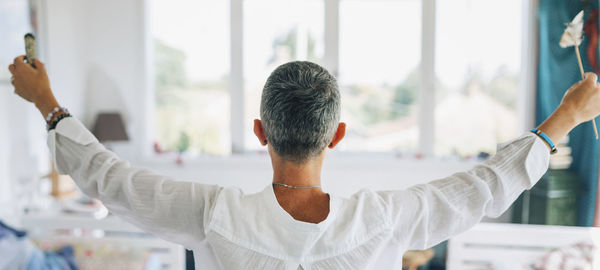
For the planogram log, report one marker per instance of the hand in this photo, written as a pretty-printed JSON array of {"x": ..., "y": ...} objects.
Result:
[
  {"x": 581, "y": 103},
  {"x": 583, "y": 99},
  {"x": 32, "y": 84}
]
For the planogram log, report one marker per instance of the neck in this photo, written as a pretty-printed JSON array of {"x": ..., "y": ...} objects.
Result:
[
  {"x": 308, "y": 205},
  {"x": 297, "y": 175}
]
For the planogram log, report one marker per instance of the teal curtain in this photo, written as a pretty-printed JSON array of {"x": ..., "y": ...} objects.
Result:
[{"x": 557, "y": 71}]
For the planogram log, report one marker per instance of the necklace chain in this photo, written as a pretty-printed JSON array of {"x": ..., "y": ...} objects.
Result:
[{"x": 294, "y": 187}]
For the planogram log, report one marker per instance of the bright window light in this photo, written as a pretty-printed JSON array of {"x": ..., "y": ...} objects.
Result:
[
  {"x": 376, "y": 55},
  {"x": 277, "y": 32},
  {"x": 191, "y": 53},
  {"x": 478, "y": 61},
  {"x": 380, "y": 44}
]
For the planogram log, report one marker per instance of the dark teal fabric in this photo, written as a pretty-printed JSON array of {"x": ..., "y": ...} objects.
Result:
[{"x": 557, "y": 71}]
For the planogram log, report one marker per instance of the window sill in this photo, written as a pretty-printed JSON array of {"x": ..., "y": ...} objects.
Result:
[
  {"x": 336, "y": 160},
  {"x": 345, "y": 173}
]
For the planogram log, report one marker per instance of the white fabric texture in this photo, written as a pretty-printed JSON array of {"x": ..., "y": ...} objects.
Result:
[{"x": 370, "y": 230}]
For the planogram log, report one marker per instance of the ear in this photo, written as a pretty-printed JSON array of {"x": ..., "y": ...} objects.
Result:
[
  {"x": 259, "y": 132},
  {"x": 339, "y": 135}
]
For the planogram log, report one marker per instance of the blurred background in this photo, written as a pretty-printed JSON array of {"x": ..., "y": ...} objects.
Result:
[
  {"x": 374, "y": 47},
  {"x": 428, "y": 88}
]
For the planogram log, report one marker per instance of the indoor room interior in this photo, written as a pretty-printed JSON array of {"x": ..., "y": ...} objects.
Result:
[{"x": 428, "y": 88}]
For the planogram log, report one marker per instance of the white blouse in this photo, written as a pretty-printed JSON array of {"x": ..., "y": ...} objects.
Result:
[{"x": 370, "y": 230}]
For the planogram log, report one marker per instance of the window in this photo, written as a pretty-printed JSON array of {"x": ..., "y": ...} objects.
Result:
[
  {"x": 478, "y": 66},
  {"x": 293, "y": 32},
  {"x": 191, "y": 54},
  {"x": 375, "y": 47},
  {"x": 380, "y": 44}
]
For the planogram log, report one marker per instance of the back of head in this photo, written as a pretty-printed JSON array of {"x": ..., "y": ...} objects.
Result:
[{"x": 300, "y": 110}]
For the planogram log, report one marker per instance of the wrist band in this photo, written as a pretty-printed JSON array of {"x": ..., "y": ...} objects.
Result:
[
  {"x": 545, "y": 138},
  {"x": 55, "y": 122},
  {"x": 53, "y": 112}
]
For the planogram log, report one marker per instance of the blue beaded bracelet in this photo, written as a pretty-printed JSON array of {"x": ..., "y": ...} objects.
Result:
[
  {"x": 545, "y": 138},
  {"x": 55, "y": 121},
  {"x": 53, "y": 112}
]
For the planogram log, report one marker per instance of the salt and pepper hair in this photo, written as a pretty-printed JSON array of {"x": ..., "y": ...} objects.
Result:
[{"x": 300, "y": 110}]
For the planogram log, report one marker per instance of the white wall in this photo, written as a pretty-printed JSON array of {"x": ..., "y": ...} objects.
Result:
[
  {"x": 341, "y": 176},
  {"x": 66, "y": 51},
  {"x": 23, "y": 154},
  {"x": 117, "y": 59},
  {"x": 24, "y": 157},
  {"x": 96, "y": 60},
  {"x": 5, "y": 172}
]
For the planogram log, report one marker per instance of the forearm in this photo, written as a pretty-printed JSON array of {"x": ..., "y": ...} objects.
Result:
[
  {"x": 559, "y": 124},
  {"x": 46, "y": 103}
]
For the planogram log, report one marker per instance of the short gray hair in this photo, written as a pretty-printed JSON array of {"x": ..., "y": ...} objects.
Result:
[{"x": 300, "y": 110}]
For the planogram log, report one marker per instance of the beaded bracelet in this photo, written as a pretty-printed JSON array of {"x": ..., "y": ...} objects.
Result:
[
  {"x": 58, "y": 118},
  {"x": 545, "y": 137},
  {"x": 53, "y": 112}
]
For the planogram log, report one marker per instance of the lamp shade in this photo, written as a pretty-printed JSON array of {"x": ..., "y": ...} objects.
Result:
[{"x": 110, "y": 127}]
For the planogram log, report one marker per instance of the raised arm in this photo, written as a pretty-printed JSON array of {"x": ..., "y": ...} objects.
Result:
[
  {"x": 175, "y": 211},
  {"x": 427, "y": 214}
]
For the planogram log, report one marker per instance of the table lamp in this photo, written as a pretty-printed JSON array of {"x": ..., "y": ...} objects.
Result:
[{"x": 109, "y": 127}]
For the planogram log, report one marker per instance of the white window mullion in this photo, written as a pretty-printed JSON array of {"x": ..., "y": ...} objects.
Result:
[
  {"x": 427, "y": 80},
  {"x": 236, "y": 84},
  {"x": 332, "y": 35},
  {"x": 148, "y": 135},
  {"x": 529, "y": 41}
]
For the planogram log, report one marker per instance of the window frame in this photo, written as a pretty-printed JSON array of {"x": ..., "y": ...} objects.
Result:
[{"x": 526, "y": 98}]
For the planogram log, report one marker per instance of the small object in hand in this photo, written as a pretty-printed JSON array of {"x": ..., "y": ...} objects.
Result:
[
  {"x": 572, "y": 37},
  {"x": 573, "y": 34},
  {"x": 30, "y": 48}
]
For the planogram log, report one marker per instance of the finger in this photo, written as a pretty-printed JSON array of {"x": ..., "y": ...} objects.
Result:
[
  {"x": 39, "y": 65},
  {"x": 11, "y": 68},
  {"x": 591, "y": 77},
  {"x": 575, "y": 85},
  {"x": 19, "y": 59},
  {"x": 20, "y": 63}
]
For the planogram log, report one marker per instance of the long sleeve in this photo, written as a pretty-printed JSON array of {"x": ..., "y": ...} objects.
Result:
[
  {"x": 427, "y": 214},
  {"x": 173, "y": 210}
]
